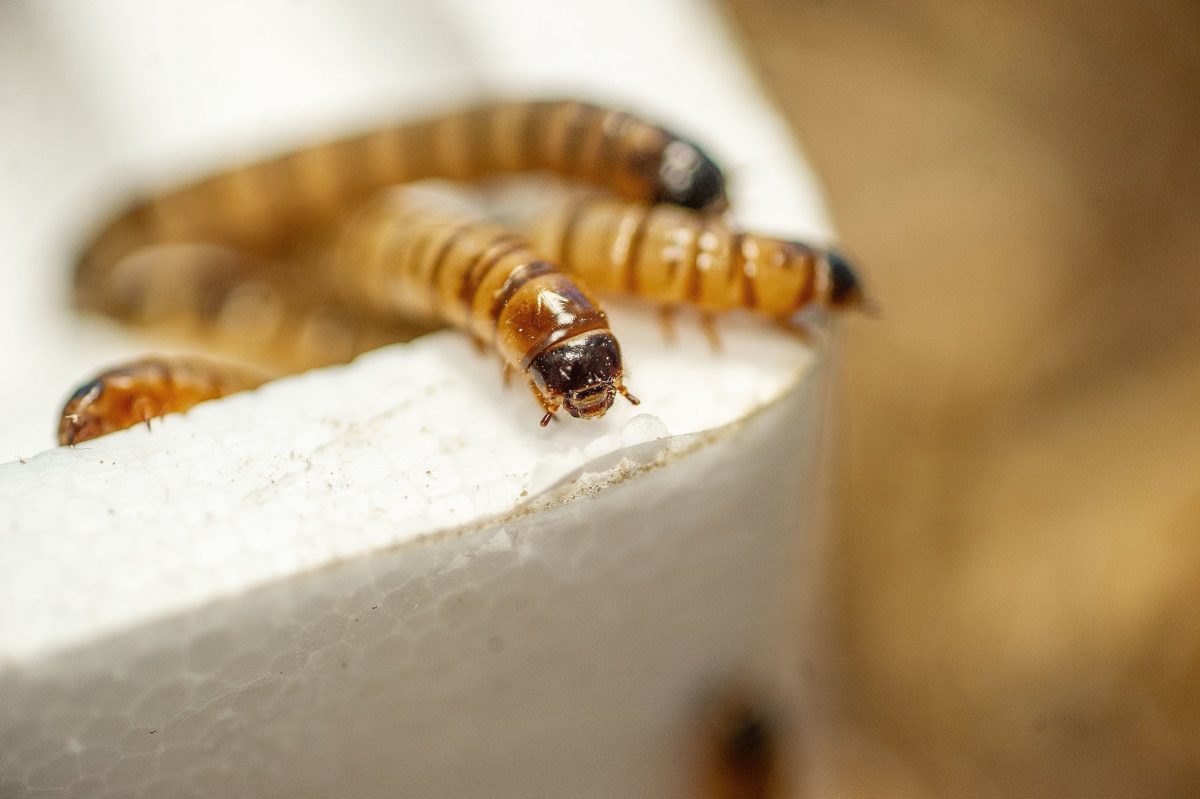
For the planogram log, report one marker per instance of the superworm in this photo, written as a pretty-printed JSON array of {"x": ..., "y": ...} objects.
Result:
[
  {"x": 137, "y": 392},
  {"x": 407, "y": 253},
  {"x": 675, "y": 256},
  {"x": 267, "y": 207}
]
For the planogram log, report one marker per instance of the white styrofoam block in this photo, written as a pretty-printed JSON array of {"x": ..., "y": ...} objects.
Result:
[
  {"x": 332, "y": 464},
  {"x": 560, "y": 651},
  {"x": 384, "y": 578}
]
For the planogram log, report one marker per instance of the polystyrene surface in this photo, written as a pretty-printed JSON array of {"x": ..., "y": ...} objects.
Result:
[
  {"x": 331, "y": 586},
  {"x": 565, "y": 652}
]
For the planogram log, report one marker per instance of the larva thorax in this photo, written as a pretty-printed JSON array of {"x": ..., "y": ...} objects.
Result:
[
  {"x": 676, "y": 256},
  {"x": 408, "y": 253}
]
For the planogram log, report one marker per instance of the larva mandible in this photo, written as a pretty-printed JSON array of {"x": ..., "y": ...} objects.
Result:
[
  {"x": 406, "y": 252},
  {"x": 676, "y": 256},
  {"x": 265, "y": 208},
  {"x": 142, "y": 390}
]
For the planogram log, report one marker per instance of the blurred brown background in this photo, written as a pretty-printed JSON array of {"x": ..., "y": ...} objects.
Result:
[{"x": 1018, "y": 603}]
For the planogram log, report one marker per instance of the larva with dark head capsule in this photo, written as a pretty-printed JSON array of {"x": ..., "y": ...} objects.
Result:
[
  {"x": 676, "y": 256},
  {"x": 407, "y": 252},
  {"x": 137, "y": 392},
  {"x": 265, "y": 208}
]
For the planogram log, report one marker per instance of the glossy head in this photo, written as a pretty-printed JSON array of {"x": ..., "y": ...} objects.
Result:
[{"x": 582, "y": 374}]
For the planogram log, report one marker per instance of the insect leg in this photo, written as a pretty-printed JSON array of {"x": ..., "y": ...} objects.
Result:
[
  {"x": 666, "y": 320},
  {"x": 708, "y": 323},
  {"x": 550, "y": 409},
  {"x": 802, "y": 329},
  {"x": 628, "y": 396}
]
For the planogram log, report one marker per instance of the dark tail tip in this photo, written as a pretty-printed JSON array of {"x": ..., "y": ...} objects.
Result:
[
  {"x": 846, "y": 289},
  {"x": 688, "y": 177}
]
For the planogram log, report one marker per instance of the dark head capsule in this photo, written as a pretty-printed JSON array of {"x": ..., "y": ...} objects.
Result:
[{"x": 583, "y": 373}]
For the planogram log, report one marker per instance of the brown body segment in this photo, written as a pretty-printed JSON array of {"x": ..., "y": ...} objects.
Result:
[
  {"x": 143, "y": 390},
  {"x": 265, "y": 208},
  {"x": 264, "y": 310},
  {"x": 677, "y": 257},
  {"x": 410, "y": 254}
]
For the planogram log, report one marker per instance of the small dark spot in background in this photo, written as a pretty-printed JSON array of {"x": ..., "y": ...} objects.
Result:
[{"x": 742, "y": 751}]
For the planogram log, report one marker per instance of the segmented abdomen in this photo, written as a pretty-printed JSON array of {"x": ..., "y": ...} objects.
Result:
[
  {"x": 261, "y": 309},
  {"x": 677, "y": 256},
  {"x": 407, "y": 253},
  {"x": 265, "y": 208}
]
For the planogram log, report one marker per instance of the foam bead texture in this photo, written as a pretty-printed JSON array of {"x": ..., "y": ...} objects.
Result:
[{"x": 561, "y": 652}]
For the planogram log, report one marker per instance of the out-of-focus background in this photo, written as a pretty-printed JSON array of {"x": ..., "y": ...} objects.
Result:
[{"x": 1018, "y": 563}]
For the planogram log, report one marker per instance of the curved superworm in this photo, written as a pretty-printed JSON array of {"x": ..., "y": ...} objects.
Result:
[
  {"x": 408, "y": 253},
  {"x": 271, "y": 207}
]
